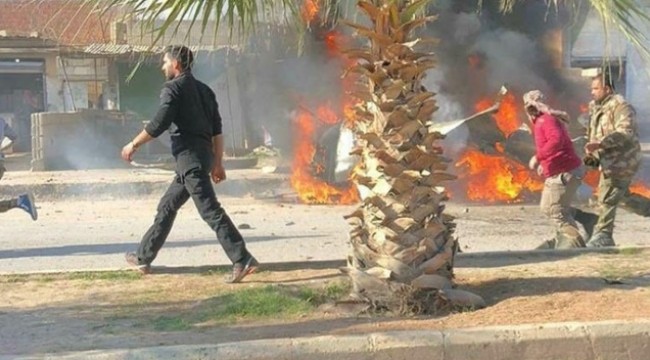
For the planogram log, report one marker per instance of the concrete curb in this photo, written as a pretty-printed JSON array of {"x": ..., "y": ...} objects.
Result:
[
  {"x": 133, "y": 188},
  {"x": 575, "y": 341}
]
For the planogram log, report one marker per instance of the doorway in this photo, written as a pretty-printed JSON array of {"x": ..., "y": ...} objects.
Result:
[{"x": 21, "y": 94}]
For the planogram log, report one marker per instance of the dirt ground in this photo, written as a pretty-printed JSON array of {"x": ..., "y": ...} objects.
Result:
[{"x": 74, "y": 312}]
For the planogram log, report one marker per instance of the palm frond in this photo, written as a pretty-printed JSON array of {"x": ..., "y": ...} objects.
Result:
[
  {"x": 629, "y": 17},
  {"x": 161, "y": 17}
]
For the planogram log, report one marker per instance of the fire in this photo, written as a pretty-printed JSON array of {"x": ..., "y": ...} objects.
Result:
[
  {"x": 309, "y": 10},
  {"x": 584, "y": 108},
  {"x": 474, "y": 60},
  {"x": 333, "y": 42},
  {"x": 640, "y": 188},
  {"x": 310, "y": 189},
  {"x": 592, "y": 177},
  {"x": 506, "y": 119},
  {"x": 326, "y": 115},
  {"x": 495, "y": 177}
]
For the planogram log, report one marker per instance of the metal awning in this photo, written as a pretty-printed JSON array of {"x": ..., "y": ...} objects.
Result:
[{"x": 123, "y": 49}]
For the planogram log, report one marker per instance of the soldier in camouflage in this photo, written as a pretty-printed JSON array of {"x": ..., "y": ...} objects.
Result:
[{"x": 613, "y": 148}]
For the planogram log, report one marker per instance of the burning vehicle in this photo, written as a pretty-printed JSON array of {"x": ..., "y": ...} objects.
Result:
[{"x": 491, "y": 161}]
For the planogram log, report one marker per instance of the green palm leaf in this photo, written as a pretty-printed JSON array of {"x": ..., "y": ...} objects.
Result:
[
  {"x": 239, "y": 16},
  {"x": 629, "y": 17}
]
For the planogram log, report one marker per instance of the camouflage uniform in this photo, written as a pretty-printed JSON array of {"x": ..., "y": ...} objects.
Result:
[{"x": 613, "y": 124}]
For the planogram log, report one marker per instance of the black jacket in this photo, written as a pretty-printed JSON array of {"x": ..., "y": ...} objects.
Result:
[{"x": 189, "y": 109}]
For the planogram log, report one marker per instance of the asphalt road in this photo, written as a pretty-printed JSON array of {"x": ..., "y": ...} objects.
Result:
[{"x": 95, "y": 235}]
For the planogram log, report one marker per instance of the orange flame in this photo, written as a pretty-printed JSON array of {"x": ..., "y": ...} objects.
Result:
[
  {"x": 584, "y": 108},
  {"x": 592, "y": 178},
  {"x": 495, "y": 178},
  {"x": 506, "y": 119},
  {"x": 309, "y": 10},
  {"x": 327, "y": 115},
  {"x": 474, "y": 60},
  {"x": 310, "y": 189},
  {"x": 333, "y": 42},
  {"x": 640, "y": 188}
]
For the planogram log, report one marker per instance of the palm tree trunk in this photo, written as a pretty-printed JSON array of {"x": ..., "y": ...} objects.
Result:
[{"x": 403, "y": 242}]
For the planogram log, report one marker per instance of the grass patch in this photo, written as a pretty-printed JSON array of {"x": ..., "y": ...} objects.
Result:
[
  {"x": 333, "y": 291},
  {"x": 84, "y": 275},
  {"x": 611, "y": 272},
  {"x": 630, "y": 251},
  {"x": 271, "y": 301},
  {"x": 260, "y": 303},
  {"x": 124, "y": 275},
  {"x": 171, "y": 323},
  {"x": 12, "y": 279},
  {"x": 24, "y": 278},
  {"x": 255, "y": 303}
]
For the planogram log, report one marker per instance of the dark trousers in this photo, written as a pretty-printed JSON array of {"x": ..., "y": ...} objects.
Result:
[{"x": 192, "y": 181}]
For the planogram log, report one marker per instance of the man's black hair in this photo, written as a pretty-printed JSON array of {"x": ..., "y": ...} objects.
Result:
[
  {"x": 606, "y": 78},
  {"x": 182, "y": 54}
]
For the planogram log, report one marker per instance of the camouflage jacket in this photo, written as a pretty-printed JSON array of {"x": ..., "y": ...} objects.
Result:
[{"x": 613, "y": 124}]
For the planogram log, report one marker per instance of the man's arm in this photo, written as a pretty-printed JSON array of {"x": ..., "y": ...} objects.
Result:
[
  {"x": 162, "y": 120},
  {"x": 129, "y": 149},
  {"x": 624, "y": 134},
  {"x": 167, "y": 112},
  {"x": 218, "y": 172},
  {"x": 552, "y": 131},
  {"x": 624, "y": 126},
  {"x": 217, "y": 149}
]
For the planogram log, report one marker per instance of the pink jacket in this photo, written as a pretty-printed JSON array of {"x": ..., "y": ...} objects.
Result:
[{"x": 554, "y": 149}]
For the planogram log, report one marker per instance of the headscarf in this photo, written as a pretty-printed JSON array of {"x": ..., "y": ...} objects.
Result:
[{"x": 535, "y": 98}]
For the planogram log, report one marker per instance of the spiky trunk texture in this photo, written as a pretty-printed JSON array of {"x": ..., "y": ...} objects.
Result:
[{"x": 403, "y": 242}]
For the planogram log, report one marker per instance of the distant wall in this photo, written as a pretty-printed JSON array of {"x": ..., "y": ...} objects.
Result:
[{"x": 87, "y": 139}]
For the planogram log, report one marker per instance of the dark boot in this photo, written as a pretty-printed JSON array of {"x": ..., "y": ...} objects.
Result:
[
  {"x": 569, "y": 238},
  {"x": 547, "y": 245},
  {"x": 587, "y": 220},
  {"x": 601, "y": 239}
]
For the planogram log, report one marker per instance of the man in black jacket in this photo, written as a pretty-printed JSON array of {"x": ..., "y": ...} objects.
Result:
[{"x": 189, "y": 110}]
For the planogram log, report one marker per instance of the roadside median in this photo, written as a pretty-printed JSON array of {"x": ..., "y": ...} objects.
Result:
[
  {"x": 575, "y": 341},
  {"x": 581, "y": 304},
  {"x": 119, "y": 183}
]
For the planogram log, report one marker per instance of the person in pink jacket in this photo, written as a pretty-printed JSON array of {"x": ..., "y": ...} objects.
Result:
[{"x": 557, "y": 161}]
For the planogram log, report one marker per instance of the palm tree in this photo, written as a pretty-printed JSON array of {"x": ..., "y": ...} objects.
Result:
[{"x": 403, "y": 241}]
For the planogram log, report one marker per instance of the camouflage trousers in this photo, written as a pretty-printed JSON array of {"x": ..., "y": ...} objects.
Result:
[
  {"x": 6, "y": 205},
  {"x": 611, "y": 194},
  {"x": 557, "y": 196}
]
